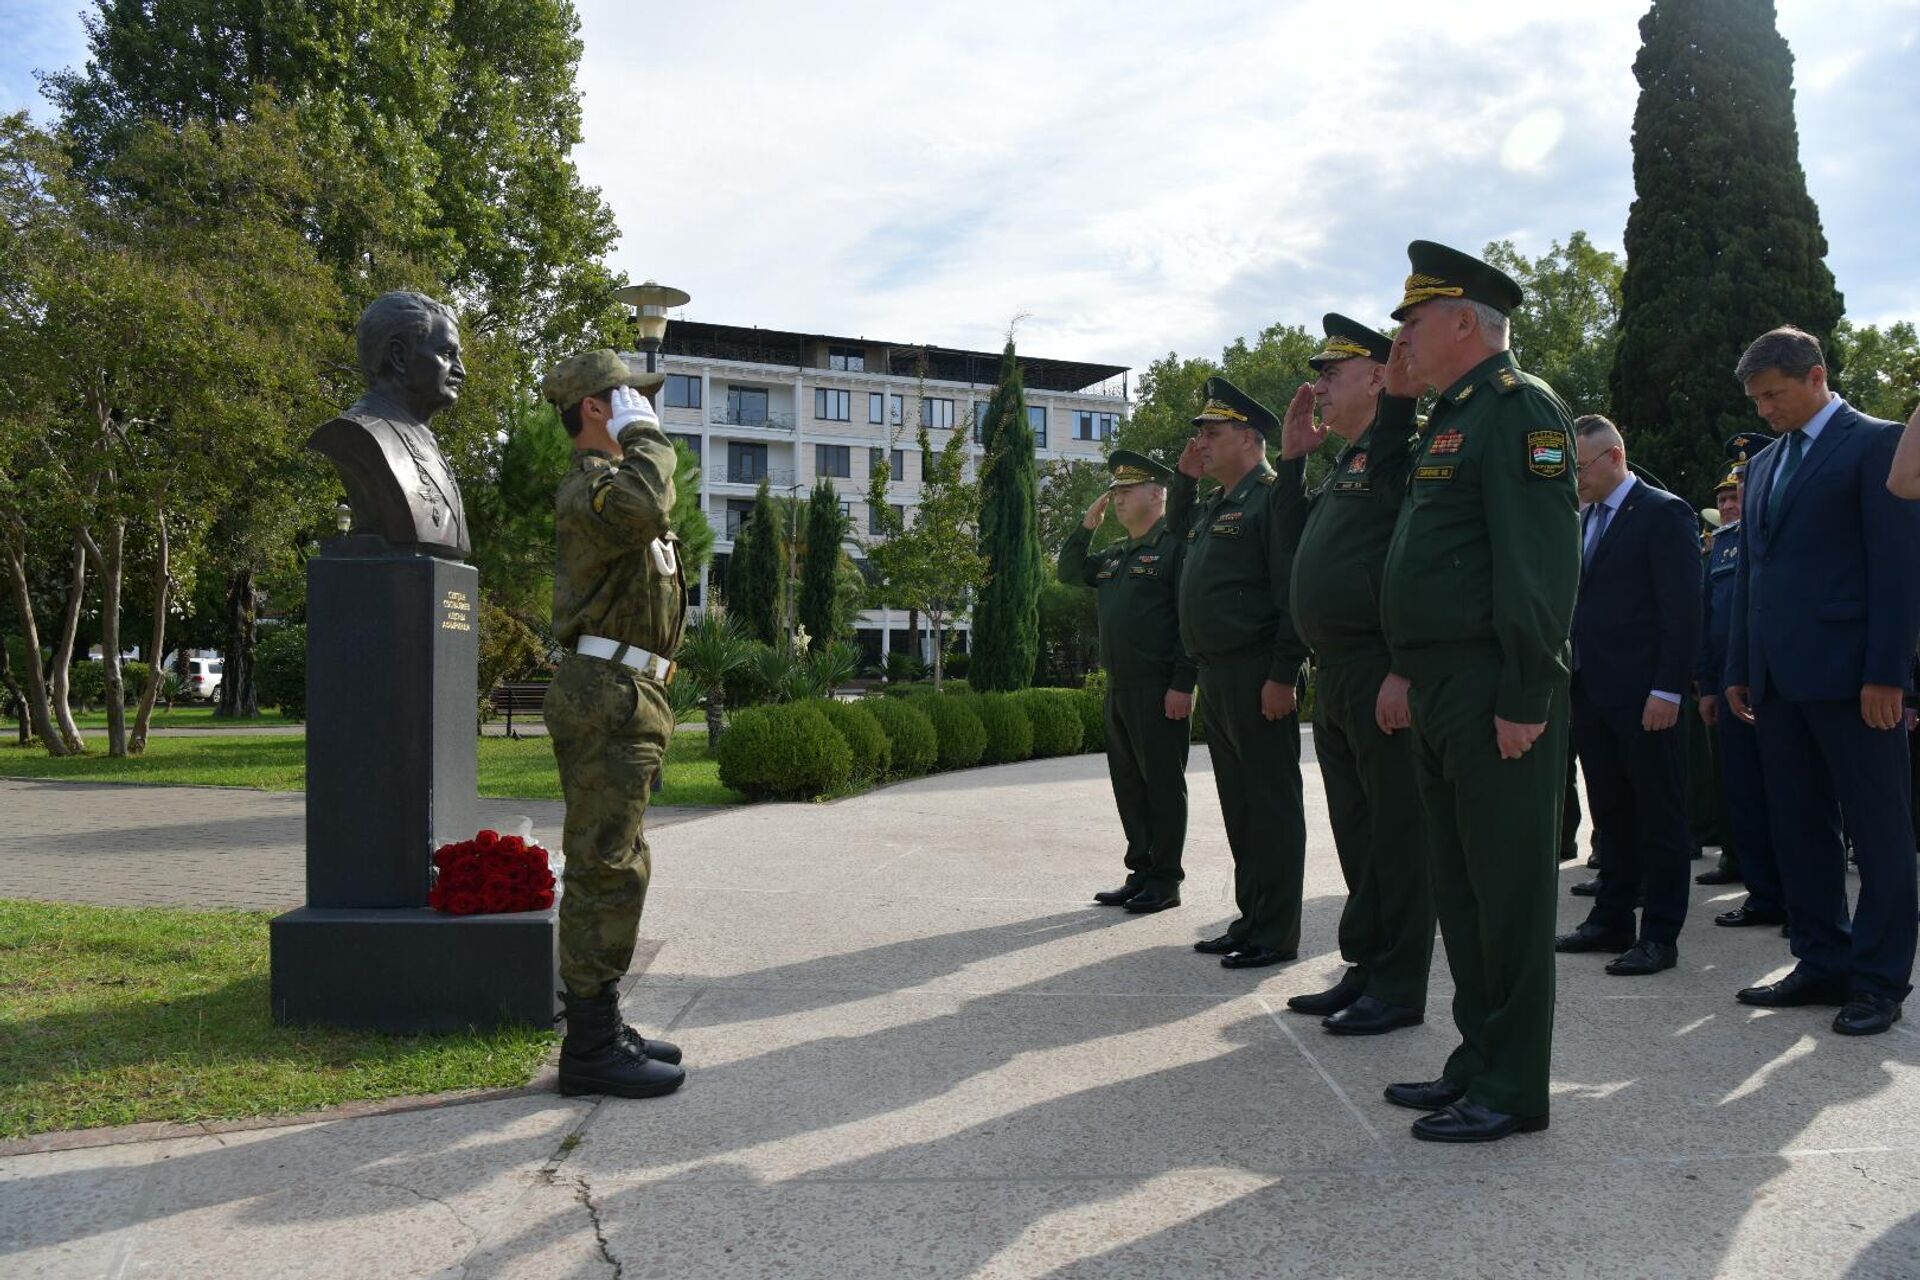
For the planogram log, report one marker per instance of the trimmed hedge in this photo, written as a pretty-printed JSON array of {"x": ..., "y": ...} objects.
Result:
[
  {"x": 280, "y": 671},
  {"x": 1055, "y": 715},
  {"x": 864, "y": 737},
  {"x": 787, "y": 751},
  {"x": 962, "y": 738},
  {"x": 1009, "y": 732},
  {"x": 1092, "y": 707},
  {"x": 915, "y": 745}
]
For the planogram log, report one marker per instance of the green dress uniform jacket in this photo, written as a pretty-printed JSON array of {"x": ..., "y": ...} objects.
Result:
[
  {"x": 1373, "y": 805},
  {"x": 1137, "y": 584},
  {"x": 617, "y": 576},
  {"x": 1235, "y": 621},
  {"x": 1478, "y": 602}
]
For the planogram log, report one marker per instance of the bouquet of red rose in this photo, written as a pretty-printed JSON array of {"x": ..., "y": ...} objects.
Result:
[{"x": 491, "y": 873}]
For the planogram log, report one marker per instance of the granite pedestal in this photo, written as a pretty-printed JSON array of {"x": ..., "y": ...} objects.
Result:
[{"x": 392, "y": 663}]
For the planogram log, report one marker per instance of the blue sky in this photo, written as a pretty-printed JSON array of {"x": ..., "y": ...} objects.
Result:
[{"x": 1131, "y": 177}]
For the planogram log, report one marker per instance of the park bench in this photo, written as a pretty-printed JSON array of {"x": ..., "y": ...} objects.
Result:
[{"x": 523, "y": 696}]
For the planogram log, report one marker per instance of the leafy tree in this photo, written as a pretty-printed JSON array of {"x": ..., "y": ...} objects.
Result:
[
  {"x": 510, "y": 520},
  {"x": 826, "y": 529},
  {"x": 754, "y": 573},
  {"x": 1006, "y": 620},
  {"x": 1569, "y": 325},
  {"x": 713, "y": 651},
  {"x": 1067, "y": 488},
  {"x": 1883, "y": 368},
  {"x": 1723, "y": 242},
  {"x": 689, "y": 518}
]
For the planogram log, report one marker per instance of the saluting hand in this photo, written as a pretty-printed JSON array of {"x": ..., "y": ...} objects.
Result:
[
  {"x": 1277, "y": 700},
  {"x": 1300, "y": 435},
  {"x": 1515, "y": 740},
  {"x": 1179, "y": 705},
  {"x": 1391, "y": 710},
  {"x": 1098, "y": 511},
  {"x": 1659, "y": 714},
  {"x": 1190, "y": 464},
  {"x": 1880, "y": 706}
]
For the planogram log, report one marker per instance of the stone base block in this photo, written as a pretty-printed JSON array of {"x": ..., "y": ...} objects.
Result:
[{"x": 412, "y": 970}]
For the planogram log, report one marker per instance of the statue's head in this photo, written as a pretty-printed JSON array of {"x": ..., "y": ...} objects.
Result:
[{"x": 410, "y": 350}]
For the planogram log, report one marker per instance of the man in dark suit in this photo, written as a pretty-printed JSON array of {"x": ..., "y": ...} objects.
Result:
[
  {"x": 1825, "y": 620},
  {"x": 1636, "y": 627}
]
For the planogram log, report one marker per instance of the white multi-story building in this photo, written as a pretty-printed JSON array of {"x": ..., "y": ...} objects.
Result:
[{"x": 794, "y": 407}]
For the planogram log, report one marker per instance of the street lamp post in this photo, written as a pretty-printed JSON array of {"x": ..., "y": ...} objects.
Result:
[{"x": 652, "y": 302}]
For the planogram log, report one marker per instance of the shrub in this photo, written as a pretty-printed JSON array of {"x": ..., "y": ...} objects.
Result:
[
  {"x": 872, "y": 753},
  {"x": 280, "y": 671},
  {"x": 957, "y": 665},
  {"x": 133, "y": 678},
  {"x": 1093, "y": 720},
  {"x": 1009, "y": 732},
  {"x": 962, "y": 738},
  {"x": 1096, "y": 683},
  {"x": 1056, "y": 721},
  {"x": 904, "y": 666},
  {"x": 790, "y": 751},
  {"x": 915, "y": 745},
  {"x": 87, "y": 682}
]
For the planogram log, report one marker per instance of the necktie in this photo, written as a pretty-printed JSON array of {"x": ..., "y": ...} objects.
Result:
[
  {"x": 1796, "y": 445},
  {"x": 1597, "y": 517}
]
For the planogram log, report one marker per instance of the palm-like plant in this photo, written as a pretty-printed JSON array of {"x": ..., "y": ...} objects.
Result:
[{"x": 713, "y": 649}]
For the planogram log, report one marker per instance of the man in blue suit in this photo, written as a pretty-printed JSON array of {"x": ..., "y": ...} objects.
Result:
[
  {"x": 1825, "y": 621},
  {"x": 1636, "y": 632}
]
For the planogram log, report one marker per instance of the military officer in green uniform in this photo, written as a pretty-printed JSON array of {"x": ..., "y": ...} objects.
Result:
[
  {"x": 1149, "y": 676},
  {"x": 1234, "y": 620},
  {"x": 1359, "y": 730},
  {"x": 619, "y": 606},
  {"x": 1478, "y": 600}
]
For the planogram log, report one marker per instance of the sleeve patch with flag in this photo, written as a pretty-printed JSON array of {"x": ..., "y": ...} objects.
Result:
[{"x": 1547, "y": 453}]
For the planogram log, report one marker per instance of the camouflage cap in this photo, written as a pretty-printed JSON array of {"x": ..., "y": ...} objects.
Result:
[{"x": 590, "y": 373}]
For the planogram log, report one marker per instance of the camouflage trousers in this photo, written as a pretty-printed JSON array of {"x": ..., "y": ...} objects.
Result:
[{"x": 609, "y": 727}]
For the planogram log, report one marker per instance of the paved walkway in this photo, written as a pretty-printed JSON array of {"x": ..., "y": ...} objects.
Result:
[{"x": 917, "y": 1051}]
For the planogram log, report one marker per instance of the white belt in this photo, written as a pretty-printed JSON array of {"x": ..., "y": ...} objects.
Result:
[{"x": 647, "y": 664}]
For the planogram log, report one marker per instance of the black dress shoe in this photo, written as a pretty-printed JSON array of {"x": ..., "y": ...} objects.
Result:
[
  {"x": 1644, "y": 957},
  {"x": 1586, "y": 889},
  {"x": 1425, "y": 1095},
  {"x": 1121, "y": 896},
  {"x": 1335, "y": 998},
  {"x": 1798, "y": 988},
  {"x": 1219, "y": 946},
  {"x": 1721, "y": 874},
  {"x": 1867, "y": 1015},
  {"x": 1252, "y": 957},
  {"x": 1470, "y": 1122},
  {"x": 1368, "y": 1016},
  {"x": 1148, "y": 901},
  {"x": 1593, "y": 861},
  {"x": 1591, "y": 937},
  {"x": 1746, "y": 918}
]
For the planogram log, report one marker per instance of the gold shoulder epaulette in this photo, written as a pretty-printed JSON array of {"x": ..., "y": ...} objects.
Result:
[{"x": 1506, "y": 381}]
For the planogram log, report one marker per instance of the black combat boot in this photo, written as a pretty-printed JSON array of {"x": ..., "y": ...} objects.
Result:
[{"x": 600, "y": 1053}]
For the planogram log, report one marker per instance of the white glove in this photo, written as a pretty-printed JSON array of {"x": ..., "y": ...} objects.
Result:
[{"x": 629, "y": 407}]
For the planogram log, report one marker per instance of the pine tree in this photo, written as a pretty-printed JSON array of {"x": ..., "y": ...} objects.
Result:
[
  {"x": 753, "y": 575},
  {"x": 1723, "y": 242},
  {"x": 1006, "y": 622},
  {"x": 819, "y": 584}
]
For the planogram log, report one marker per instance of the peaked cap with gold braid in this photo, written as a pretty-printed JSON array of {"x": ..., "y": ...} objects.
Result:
[
  {"x": 1440, "y": 272},
  {"x": 1228, "y": 403},
  {"x": 1129, "y": 467},
  {"x": 1349, "y": 340}
]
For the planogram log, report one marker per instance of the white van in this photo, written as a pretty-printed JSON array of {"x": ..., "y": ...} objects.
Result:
[{"x": 203, "y": 677}]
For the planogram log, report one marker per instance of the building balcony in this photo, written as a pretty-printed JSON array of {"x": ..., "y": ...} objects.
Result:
[
  {"x": 771, "y": 420},
  {"x": 777, "y": 478}
]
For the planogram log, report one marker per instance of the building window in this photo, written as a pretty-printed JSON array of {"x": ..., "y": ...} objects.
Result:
[
  {"x": 833, "y": 460},
  {"x": 1037, "y": 420},
  {"x": 682, "y": 391},
  {"x": 738, "y": 513},
  {"x": 896, "y": 409},
  {"x": 874, "y": 525},
  {"x": 980, "y": 408},
  {"x": 831, "y": 405},
  {"x": 936, "y": 414},
  {"x": 896, "y": 460},
  {"x": 746, "y": 463},
  {"x": 747, "y": 406},
  {"x": 876, "y": 406},
  {"x": 847, "y": 359},
  {"x": 846, "y": 508},
  {"x": 692, "y": 443},
  {"x": 1088, "y": 425}
]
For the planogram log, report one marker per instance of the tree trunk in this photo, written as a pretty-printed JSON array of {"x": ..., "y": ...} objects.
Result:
[
  {"x": 716, "y": 717},
  {"x": 939, "y": 624},
  {"x": 16, "y": 698},
  {"x": 38, "y": 713},
  {"x": 62, "y": 709},
  {"x": 156, "y": 670},
  {"x": 108, "y": 562},
  {"x": 238, "y": 697}
]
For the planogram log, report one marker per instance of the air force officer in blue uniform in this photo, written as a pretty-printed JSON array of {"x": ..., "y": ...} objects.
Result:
[{"x": 1825, "y": 621}]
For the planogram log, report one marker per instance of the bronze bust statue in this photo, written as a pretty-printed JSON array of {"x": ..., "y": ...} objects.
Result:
[{"x": 397, "y": 480}]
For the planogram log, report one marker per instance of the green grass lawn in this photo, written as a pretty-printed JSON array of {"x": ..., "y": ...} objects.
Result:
[
  {"x": 184, "y": 716},
  {"x": 521, "y": 769},
  {"x": 117, "y": 1016}
]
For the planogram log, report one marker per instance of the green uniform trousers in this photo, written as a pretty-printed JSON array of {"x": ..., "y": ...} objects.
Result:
[
  {"x": 1373, "y": 804},
  {"x": 1147, "y": 761},
  {"x": 609, "y": 727},
  {"x": 1256, "y": 769},
  {"x": 1493, "y": 827}
]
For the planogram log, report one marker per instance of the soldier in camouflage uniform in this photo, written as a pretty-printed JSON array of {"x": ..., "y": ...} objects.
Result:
[{"x": 619, "y": 606}]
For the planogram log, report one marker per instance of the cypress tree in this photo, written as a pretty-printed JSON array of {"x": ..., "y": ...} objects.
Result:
[
  {"x": 1723, "y": 242},
  {"x": 820, "y": 575},
  {"x": 1006, "y": 621},
  {"x": 753, "y": 575}
]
